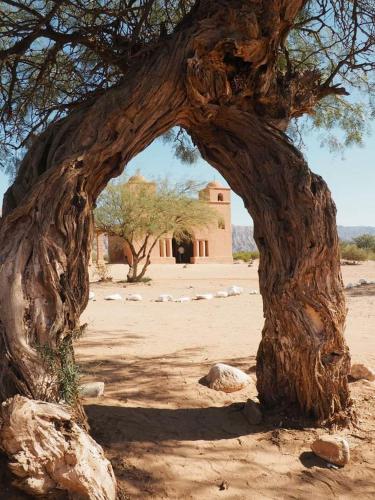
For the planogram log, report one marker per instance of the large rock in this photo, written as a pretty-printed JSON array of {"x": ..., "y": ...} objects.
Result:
[
  {"x": 47, "y": 450},
  {"x": 333, "y": 449},
  {"x": 92, "y": 390},
  {"x": 222, "y": 377},
  {"x": 234, "y": 290},
  {"x": 359, "y": 371}
]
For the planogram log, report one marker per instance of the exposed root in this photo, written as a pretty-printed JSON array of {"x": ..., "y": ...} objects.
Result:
[{"x": 47, "y": 450}]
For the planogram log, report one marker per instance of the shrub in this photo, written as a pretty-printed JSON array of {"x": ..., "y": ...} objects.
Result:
[
  {"x": 103, "y": 272},
  {"x": 246, "y": 256},
  {"x": 365, "y": 241},
  {"x": 352, "y": 252}
]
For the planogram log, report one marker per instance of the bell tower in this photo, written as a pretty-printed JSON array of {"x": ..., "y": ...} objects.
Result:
[{"x": 217, "y": 240}]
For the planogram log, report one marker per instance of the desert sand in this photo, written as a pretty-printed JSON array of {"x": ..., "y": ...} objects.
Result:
[
  {"x": 170, "y": 437},
  {"x": 167, "y": 435}
]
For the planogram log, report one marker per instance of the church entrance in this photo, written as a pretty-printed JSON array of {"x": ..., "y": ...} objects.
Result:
[{"x": 183, "y": 249}]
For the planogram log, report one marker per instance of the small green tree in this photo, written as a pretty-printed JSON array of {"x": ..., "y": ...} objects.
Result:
[
  {"x": 365, "y": 241},
  {"x": 352, "y": 252},
  {"x": 142, "y": 213}
]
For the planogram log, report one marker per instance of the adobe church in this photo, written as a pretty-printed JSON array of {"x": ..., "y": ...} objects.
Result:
[{"x": 209, "y": 245}]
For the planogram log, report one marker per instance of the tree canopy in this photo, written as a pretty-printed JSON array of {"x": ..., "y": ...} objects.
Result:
[
  {"x": 56, "y": 55},
  {"x": 365, "y": 241}
]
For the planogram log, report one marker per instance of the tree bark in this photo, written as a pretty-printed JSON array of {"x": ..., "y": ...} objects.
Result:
[
  {"x": 212, "y": 76},
  {"x": 47, "y": 226},
  {"x": 303, "y": 360}
]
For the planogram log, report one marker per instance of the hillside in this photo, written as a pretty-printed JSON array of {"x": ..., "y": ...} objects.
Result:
[{"x": 243, "y": 239}]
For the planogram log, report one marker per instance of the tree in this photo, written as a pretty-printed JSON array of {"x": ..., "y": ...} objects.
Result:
[
  {"x": 365, "y": 241},
  {"x": 86, "y": 85},
  {"x": 141, "y": 214}
]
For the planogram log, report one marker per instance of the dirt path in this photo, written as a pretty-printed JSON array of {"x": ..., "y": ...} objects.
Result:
[{"x": 169, "y": 436}]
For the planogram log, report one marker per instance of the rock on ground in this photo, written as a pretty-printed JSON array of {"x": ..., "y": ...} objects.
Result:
[
  {"x": 135, "y": 297},
  {"x": 47, "y": 450},
  {"x": 114, "y": 296},
  {"x": 234, "y": 290},
  {"x": 182, "y": 299},
  {"x": 204, "y": 296},
  {"x": 91, "y": 295},
  {"x": 226, "y": 378},
  {"x": 333, "y": 449},
  {"x": 92, "y": 390},
  {"x": 359, "y": 371},
  {"x": 164, "y": 297},
  {"x": 221, "y": 294},
  {"x": 252, "y": 412}
]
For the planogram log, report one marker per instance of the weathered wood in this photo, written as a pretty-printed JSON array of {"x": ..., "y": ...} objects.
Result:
[
  {"x": 216, "y": 76},
  {"x": 303, "y": 359},
  {"x": 47, "y": 450}
]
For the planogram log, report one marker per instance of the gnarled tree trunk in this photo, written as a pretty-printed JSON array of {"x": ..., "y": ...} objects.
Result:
[
  {"x": 216, "y": 75},
  {"x": 302, "y": 359}
]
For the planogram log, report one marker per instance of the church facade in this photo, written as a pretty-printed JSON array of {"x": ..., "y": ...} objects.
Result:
[{"x": 209, "y": 245}]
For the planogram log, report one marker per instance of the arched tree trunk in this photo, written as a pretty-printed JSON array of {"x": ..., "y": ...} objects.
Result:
[
  {"x": 220, "y": 60},
  {"x": 45, "y": 242},
  {"x": 47, "y": 227},
  {"x": 303, "y": 359}
]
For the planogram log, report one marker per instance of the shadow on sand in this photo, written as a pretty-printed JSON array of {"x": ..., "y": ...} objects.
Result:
[{"x": 136, "y": 424}]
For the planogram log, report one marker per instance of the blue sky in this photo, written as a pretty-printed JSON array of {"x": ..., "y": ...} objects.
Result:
[{"x": 351, "y": 179}]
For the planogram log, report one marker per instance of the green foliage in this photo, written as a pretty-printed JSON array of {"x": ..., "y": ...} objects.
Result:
[
  {"x": 246, "y": 256},
  {"x": 365, "y": 241},
  {"x": 350, "y": 251},
  {"x": 184, "y": 149},
  {"x": 55, "y": 56},
  {"x": 60, "y": 363}
]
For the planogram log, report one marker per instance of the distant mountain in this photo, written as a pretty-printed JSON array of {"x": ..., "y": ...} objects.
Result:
[
  {"x": 243, "y": 238},
  {"x": 347, "y": 233}
]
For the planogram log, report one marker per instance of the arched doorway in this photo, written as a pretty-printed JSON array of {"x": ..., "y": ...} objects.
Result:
[{"x": 182, "y": 249}]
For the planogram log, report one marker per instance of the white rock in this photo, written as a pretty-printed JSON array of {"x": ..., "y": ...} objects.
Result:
[
  {"x": 359, "y": 371},
  {"x": 222, "y": 377},
  {"x": 362, "y": 281},
  {"x": 114, "y": 296},
  {"x": 183, "y": 299},
  {"x": 234, "y": 290},
  {"x": 333, "y": 449},
  {"x": 91, "y": 295},
  {"x": 221, "y": 294},
  {"x": 350, "y": 285},
  {"x": 204, "y": 296},
  {"x": 135, "y": 297},
  {"x": 92, "y": 390},
  {"x": 253, "y": 292},
  {"x": 164, "y": 297}
]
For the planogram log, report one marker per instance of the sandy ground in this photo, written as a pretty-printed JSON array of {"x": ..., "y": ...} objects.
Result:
[{"x": 167, "y": 435}]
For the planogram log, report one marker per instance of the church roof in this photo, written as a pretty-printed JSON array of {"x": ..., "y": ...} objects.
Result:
[
  {"x": 137, "y": 179},
  {"x": 214, "y": 184}
]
